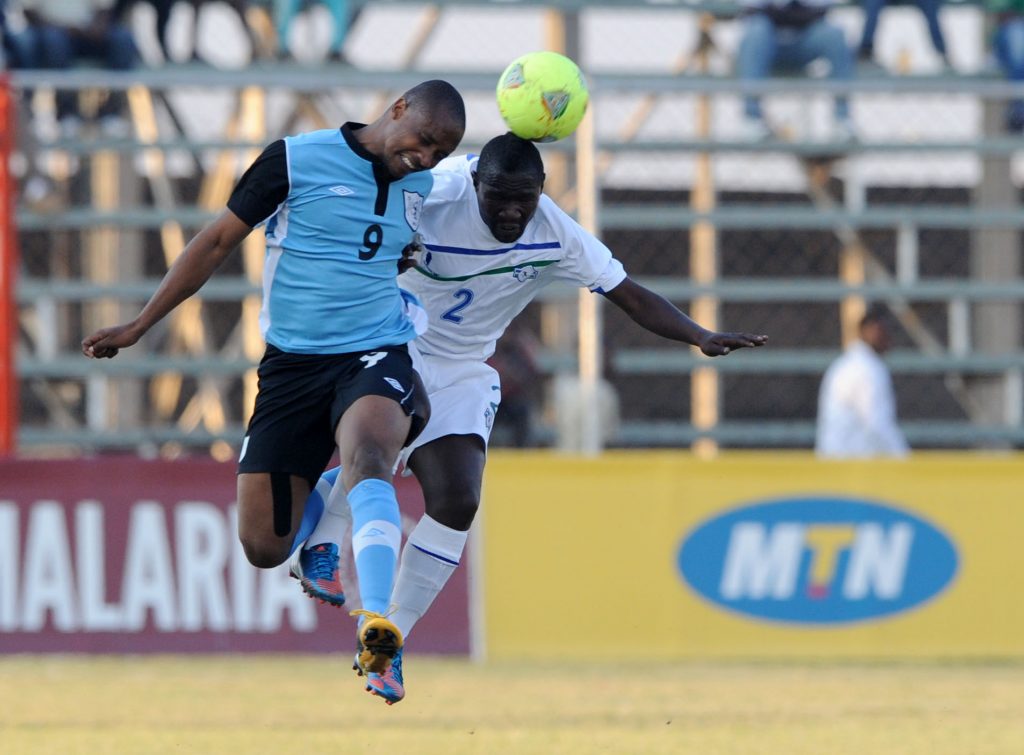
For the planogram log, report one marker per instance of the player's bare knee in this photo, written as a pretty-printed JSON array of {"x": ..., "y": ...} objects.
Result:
[
  {"x": 264, "y": 553},
  {"x": 456, "y": 510},
  {"x": 262, "y": 549},
  {"x": 369, "y": 461},
  {"x": 467, "y": 503}
]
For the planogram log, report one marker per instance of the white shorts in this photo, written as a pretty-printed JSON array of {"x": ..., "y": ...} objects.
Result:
[{"x": 464, "y": 397}]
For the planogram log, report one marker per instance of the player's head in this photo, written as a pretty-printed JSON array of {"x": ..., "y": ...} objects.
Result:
[
  {"x": 421, "y": 128},
  {"x": 874, "y": 329},
  {"x": 509, "y": 180}
]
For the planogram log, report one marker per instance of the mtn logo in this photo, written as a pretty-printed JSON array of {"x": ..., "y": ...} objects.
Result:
[{"x": 818, "y": 560}]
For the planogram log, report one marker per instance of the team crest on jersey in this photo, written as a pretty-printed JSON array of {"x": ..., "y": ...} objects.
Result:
[
  {"x": 525, "y": 273},
  {"x": 413, "y": 208}
]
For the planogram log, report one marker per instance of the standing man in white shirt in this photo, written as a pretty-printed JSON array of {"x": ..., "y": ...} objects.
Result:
[{"x": 856, "y": 405}]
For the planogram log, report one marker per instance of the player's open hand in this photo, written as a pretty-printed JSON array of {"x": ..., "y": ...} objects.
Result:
[
  {"x": 720, "y": 344},
  {"x": 104, "y": 344}
]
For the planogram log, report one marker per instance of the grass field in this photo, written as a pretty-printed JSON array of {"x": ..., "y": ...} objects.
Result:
[{"x": 304, "y": 704}]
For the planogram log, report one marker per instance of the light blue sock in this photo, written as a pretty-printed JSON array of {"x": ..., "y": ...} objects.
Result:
[
  {"x": 376, "y": 539},
  {"x": 314, "y": 508}
]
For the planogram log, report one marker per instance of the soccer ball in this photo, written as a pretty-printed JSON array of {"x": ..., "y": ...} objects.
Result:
[{"x": 542, "y": 96}]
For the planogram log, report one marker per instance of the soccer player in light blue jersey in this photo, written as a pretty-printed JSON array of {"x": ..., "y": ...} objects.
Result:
[{"x": 339, "y": 208}]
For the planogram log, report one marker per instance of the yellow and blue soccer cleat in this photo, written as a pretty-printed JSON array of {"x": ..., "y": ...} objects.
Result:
[
  {"x": 379, "y": 641},
  {"x": 317, "y": 570},
  {"x": 388, "y": 685}
]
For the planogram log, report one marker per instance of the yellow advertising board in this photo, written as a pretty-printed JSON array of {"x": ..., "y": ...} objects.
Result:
[{"x": 752, "y": 555}]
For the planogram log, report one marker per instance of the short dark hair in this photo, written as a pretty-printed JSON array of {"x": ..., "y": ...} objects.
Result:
[
  {"x": 875, "y": 313},
  {"x": 507, "y": 154},
  {"x": 438, "y": 96}
]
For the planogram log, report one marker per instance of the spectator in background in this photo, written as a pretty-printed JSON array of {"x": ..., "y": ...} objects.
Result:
[
  {"x": 856, "y": 405},
  {"x": 18, "y": 42},
  {"x": 15, "y": 51},
  {"x": 872, "y": 10},
  {"x": 791, "y": 34},
  {"x": 62, "y": 32},
  {"x": 1008, "y": 47},
  {"x": 163, "y": 10},
  {"x": 284, "y": 14}
]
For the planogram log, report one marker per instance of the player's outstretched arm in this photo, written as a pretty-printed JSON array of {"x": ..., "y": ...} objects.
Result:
[
  {"x": 658, "y": 315},
  {"x": 197, "y": 262}
]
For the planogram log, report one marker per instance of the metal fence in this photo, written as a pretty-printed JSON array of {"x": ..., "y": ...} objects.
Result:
[{"x": 792, "y": 237}]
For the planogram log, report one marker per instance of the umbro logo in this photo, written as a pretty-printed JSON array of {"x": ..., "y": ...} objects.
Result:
[
  {"x": 341, "y": 191},
  {"x": 374, "y": 532},
  {"x": 394, "y": 384}
]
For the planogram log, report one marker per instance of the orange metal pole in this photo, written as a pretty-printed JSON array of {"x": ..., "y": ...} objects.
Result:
[{"x": 8, "y": 271}]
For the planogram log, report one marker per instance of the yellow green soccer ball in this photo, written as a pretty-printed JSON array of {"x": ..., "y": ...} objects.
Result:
[{"x": 542, "y": 96}]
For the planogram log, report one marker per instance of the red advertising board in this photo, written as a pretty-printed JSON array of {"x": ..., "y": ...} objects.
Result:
[{"x": 119, "y": 554}]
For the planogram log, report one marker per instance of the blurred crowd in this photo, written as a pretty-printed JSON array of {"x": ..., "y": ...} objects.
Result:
[
  {"x": 37, "y": 32},
  {"x": 59, "y": 33},
  {"x": 63, "y": 34},
  {"x": 779, "y": 37},
  {"x": 789, "y": 35}
]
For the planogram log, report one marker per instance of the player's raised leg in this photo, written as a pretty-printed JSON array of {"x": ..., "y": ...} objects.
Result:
[
  {"x": 450, "y": 471},
  {"x": 270, "y": 509},
  {"x": 288, "y": 443},
  {"x": 370, "y": 435},
  {"x": 316, "y": 564}
]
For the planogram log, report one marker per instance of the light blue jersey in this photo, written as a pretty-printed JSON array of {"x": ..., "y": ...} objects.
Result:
[{"x": 329, "y": 282}]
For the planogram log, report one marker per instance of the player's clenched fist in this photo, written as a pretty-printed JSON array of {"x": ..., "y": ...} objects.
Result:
[{"x": 104, "y": 344}]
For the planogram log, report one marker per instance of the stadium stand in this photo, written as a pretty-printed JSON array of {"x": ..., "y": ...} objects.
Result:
[{"x": 793, "y": 237}]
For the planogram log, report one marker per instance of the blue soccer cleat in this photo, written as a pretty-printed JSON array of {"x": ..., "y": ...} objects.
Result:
[
  {"x": 317, "y": 570},
  {"x": 388, "y": 685},
  {"x": 379, "y": 641}
]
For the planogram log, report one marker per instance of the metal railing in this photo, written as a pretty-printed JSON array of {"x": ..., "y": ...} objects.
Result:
[{"x": 63, "y": 383}]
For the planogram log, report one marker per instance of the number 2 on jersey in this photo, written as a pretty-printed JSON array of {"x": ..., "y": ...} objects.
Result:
[{"x": 465, "y": 297}]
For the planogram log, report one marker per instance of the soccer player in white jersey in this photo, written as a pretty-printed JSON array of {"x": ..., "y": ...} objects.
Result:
[{"x": 491, "y": 241}]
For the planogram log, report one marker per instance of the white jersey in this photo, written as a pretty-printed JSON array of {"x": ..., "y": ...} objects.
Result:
[{"x": 472, "y": 285}]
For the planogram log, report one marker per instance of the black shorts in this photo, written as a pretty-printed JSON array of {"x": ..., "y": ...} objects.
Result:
[{"x": 301, "y": 398}]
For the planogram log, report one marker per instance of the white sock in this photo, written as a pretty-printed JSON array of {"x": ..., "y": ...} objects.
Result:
[
  {"x": 334, "y": 525},
  {"x": 430, "y": 556}
]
